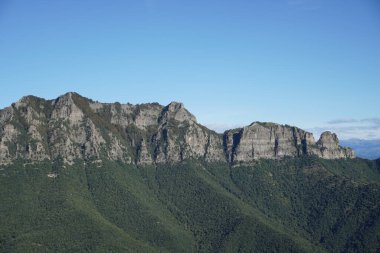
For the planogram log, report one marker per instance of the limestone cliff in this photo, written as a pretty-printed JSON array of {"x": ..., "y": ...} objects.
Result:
[
  {"x": 328, "y": 147},
  {"x": 72, "y": 127},
  {"x": 273, "y": 141}
]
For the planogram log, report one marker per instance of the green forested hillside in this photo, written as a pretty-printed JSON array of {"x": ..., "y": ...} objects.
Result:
[{"x": 302, "y": 204}]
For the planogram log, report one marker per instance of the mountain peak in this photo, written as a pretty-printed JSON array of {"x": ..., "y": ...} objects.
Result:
[
  {"x": 330, "y": 148},
  {"x": 178, "y": 112},
  {"x": 175, "y": 105},
  {"x": 69, "y": 97},
  {"x": 28, "y": 100},
  {"x": 328, "y": 137},
  {"x": 70, "y": 94}
]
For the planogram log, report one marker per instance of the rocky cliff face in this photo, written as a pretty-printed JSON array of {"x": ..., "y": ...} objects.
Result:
[
  {"x": 72, "y": 127},
  {"x": 273, "y": 141},
  {"x": 328, "y": 147}
]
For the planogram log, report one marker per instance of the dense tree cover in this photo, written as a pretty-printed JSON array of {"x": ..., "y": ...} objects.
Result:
[{"x": 291, "y": 205}]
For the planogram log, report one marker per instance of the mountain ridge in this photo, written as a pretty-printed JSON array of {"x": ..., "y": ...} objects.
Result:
[
  {"x": 85, "y": 176},
  {"x": 72, "y": 126}
]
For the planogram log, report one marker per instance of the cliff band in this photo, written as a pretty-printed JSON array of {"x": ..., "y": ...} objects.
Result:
[{"x": 73, "y": 127}]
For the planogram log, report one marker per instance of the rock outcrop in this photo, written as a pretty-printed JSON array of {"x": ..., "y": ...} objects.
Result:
[
  {"x": 72, "y": 127},
  {"x": 328, "y": 147},
  {"x": 273, "y": 141}
]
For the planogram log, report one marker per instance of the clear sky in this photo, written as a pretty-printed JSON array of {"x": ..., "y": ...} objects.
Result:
[{"x": 310, "y": 63}]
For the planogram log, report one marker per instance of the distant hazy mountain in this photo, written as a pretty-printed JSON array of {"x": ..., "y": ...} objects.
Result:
[{"x": 369, "y": 149}]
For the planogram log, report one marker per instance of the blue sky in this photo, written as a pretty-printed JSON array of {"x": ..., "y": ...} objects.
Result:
[{"x": 310, "y": 63}]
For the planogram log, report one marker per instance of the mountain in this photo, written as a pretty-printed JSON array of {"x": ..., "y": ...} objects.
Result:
[
  {"x": 77, "y": 175},
  {"x": 369, "y": 149},
  {"x": 74, "y": 127}
]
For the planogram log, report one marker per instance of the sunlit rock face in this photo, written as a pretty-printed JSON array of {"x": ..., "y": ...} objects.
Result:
[
  {"x": 273, "y": 141},
  {"x": 328, "y": 147},
  {"x": 72, "y": 127}
]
